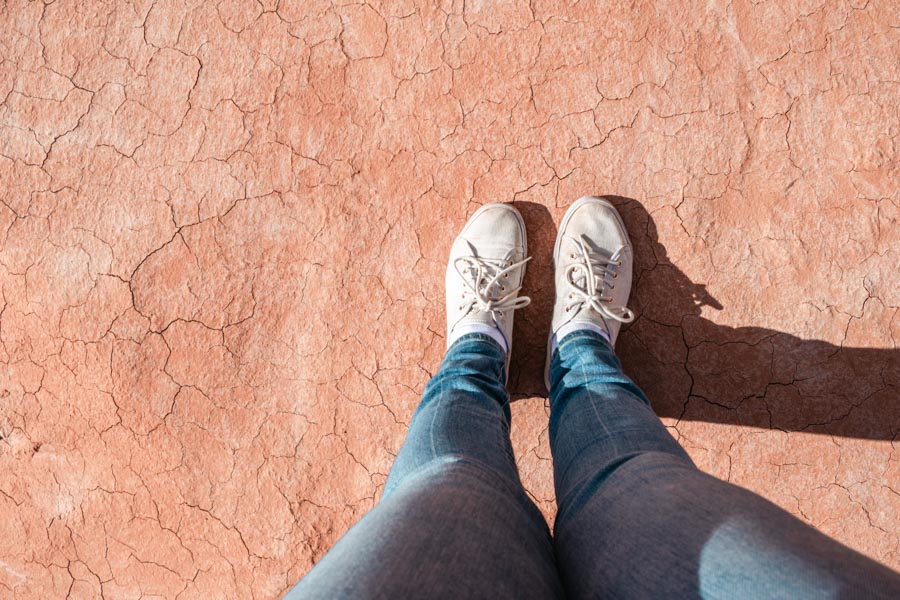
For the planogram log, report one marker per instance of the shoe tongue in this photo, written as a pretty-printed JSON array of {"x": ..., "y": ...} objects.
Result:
[
  {"x": 486, "y": 283},
  {"x": 587, "y": 315},
  {"x": 580, "y": 277}
]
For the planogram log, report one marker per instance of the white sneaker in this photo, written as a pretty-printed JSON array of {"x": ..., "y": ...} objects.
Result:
[
  {"x": 485, "y": 273},
  {"x": 593, "y": 260}
]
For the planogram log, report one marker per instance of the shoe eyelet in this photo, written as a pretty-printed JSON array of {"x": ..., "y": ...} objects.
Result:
[
  {"x": 506, "y": 276},
  {"x": 619, "y": 263},
  {"x": 615, "y": 275},
  {"x": 502, "y": 288}
]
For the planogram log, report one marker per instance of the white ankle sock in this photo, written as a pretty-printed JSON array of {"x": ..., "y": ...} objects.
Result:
[
  {"x": 488, "y": 330},
  {"x": 571, "y": 326}
]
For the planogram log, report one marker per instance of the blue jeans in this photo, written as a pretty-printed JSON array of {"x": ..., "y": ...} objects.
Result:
[{"x": 636, "y": 518}]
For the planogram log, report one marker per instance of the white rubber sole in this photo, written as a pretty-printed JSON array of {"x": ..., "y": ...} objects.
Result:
[{"x": 559, "y": 237}]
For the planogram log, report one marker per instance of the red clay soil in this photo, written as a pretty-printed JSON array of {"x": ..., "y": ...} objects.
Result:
[{"x": 224, "y": 234}]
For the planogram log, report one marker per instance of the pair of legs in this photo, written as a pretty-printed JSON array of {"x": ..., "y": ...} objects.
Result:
[{"x": 636, "y": 518}]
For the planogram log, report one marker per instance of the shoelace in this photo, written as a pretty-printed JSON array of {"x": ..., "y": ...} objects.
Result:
[
  {"x": 587, "y": 276},
  {"x": 485, "y": 290}
]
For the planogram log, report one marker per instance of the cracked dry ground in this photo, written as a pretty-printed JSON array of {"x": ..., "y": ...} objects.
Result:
[{"x": 225, "y": 226}]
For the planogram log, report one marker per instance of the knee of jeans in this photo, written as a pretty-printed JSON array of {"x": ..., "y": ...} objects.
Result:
[
  {"x": 740, "y": 546},
  {"x": 441, "y": 467},
  {"x": 582, "y": 483}
]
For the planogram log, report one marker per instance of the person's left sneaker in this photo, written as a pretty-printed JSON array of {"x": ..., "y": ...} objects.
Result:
[{"x": 484, "y": 275}]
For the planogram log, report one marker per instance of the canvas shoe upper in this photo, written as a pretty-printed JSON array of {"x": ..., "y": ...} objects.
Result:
[{"x": 485, "y": 273}]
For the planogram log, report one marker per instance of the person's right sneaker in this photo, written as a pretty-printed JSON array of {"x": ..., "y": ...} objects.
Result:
[{"x": 593, "y": 260}]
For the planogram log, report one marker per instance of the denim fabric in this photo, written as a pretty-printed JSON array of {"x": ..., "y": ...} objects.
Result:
[
  {"x": 454, "y": 520},
  {"x": 636, "y": 518}
]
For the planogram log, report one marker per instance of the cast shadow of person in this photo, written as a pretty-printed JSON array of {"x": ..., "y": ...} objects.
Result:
[{"x": 693, "y": 369}]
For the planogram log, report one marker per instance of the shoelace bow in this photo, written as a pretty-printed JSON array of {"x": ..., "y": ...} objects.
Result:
[
  {"x": 587, "y": 276},
  {"x": 484, "y": 281}
]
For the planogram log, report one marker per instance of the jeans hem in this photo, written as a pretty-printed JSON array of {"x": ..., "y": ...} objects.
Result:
[
  {"x": 577, "y": 335},
  {"x": 477, "y": 337}
]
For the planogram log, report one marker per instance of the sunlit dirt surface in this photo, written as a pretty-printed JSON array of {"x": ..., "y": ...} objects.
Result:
[{"x": 224, "y": 229}]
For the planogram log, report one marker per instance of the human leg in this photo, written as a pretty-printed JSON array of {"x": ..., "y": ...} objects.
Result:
[
  {"x": 636, "y": 518},
  {"x": 454, "y": 520}
]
